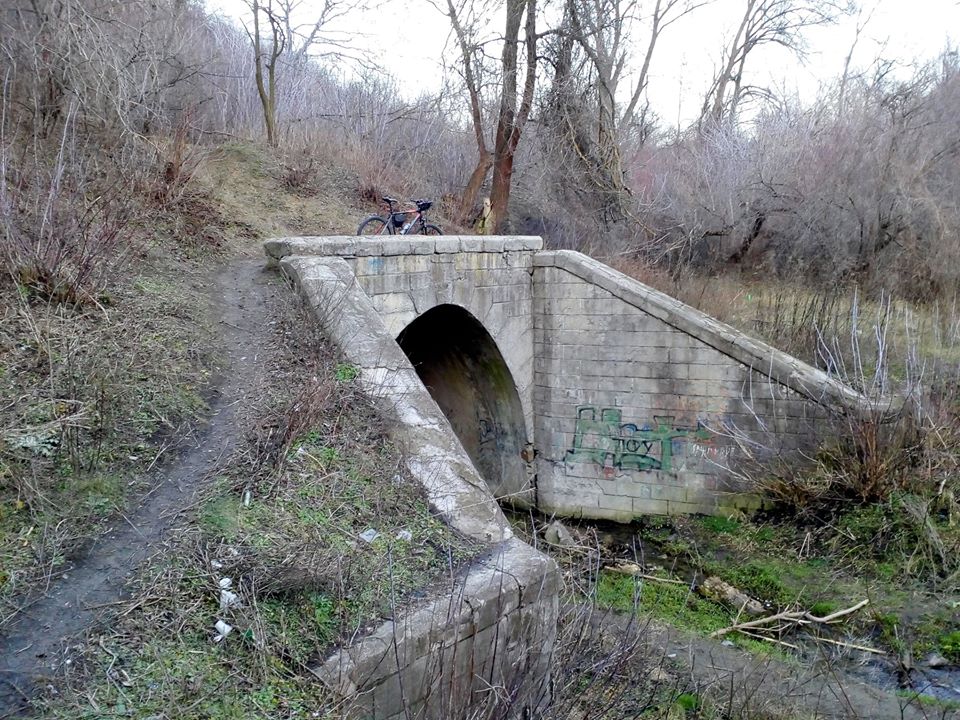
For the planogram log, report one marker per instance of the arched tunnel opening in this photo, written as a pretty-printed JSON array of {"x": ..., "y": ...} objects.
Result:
[{"x": 460, "y": 364}]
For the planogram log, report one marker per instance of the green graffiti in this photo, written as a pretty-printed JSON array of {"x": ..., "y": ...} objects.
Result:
[{"x": 612, "y": 443}]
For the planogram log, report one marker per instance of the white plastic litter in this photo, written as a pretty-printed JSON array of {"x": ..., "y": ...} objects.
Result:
[
  {"x": 405, "y": 535},
  {"x": 228, "y": 599},
  {"x": 369, "y": 535},
  {"x": 225, "y": 583},
  {"x": 223, "y": 629}
]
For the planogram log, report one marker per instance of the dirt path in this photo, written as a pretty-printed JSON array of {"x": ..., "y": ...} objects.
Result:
[{"x": 37, "y": 642}]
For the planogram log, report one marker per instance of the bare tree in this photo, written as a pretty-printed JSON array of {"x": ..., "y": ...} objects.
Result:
[
  {"x": 266, "y": 54},
  {"x": 602, "y": 30},
  {"x": 514, "y": 110},
  {"x": 763, "y": 22},
  {"x": 277, "y": 37},
  {"x": 513, "y": 101}
]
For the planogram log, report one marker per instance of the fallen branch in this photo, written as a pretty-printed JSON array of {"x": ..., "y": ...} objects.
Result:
[
  {"x": 765, "y": 638},
  {"x": 839, "y": 614},
  {"x": 853, "y": 646},
  {"x": 634, "y": 570},
  {"x": 795, "y": 617}
]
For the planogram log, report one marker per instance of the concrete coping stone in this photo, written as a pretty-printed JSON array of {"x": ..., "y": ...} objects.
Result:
[
  {"x": 508, "y": 576},
  {"x": 362, "y": 246},
  {"x": 493, "y": 587},
  {"x": 805, "y": 379}
]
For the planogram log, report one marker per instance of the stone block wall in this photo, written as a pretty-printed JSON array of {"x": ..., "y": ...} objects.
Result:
[
  {"x": 493, "y": 633},
  {"x": 404, "y": 277},
  {"x": 493, "y": 628},
  {"x": 644, "y": 405}
]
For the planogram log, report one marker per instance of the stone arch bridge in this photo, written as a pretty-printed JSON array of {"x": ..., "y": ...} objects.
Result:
[{"x": 572, "y": 387}]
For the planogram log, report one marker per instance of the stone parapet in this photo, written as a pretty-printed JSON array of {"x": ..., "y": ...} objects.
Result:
[
  {"x": 494, "y": 626},
  {"x": 387, "y": 245}
]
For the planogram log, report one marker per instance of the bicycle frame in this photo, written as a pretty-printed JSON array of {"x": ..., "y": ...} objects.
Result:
[
  {"x": 406, "y": 227},
  {"x": 400, "y": 222}
]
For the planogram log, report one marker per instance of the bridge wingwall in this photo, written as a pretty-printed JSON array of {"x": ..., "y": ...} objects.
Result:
[
  {"x": 647, "y": 406},
  {"x": 491, "y": 631}
]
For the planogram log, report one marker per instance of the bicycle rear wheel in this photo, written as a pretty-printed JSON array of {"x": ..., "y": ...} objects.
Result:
[
  {"x": 375, "y": 225},
  {"x": 431, "y": 230}
]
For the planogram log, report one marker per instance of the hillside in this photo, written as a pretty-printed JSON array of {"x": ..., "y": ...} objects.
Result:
[
  {"x": 193, "y": 374},
  {"x": 198, "y": 503},
  {"x": 213, "y": 488}
]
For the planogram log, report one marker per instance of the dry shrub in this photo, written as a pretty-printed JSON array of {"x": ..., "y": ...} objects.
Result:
[
  {"x": 66, "y": 229},
  {"x": 178, "y": 160}
]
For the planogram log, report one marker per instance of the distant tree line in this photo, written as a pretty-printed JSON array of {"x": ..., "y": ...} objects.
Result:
[{"x": 544, "y": 116}]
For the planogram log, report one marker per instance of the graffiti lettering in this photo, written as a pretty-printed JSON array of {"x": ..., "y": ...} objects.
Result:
[
  {"x": 713, "y": 453},
  {"x": 612, "y": 443}
]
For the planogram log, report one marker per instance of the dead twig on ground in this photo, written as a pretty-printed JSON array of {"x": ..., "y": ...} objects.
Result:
[
  {"x": 634, "y": 570},
  {"x": 794, "y": 617}
]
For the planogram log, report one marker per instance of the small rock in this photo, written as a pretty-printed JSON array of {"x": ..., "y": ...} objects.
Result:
[
  {"x": 405, "y": 535},
  {"x": 225, "y": 583},
  {"x": 369, "y": 535},
  {"x": 728, "y": 643},
  {"x": 557, "y": 534},
  {"x": 936, "y": 660}
]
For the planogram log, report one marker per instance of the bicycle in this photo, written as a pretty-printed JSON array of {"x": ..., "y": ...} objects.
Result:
[{"x": 397, "y": 222}]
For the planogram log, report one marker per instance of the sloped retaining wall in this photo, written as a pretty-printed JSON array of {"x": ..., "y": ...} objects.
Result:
[
  {"x": 645, "y": 405},
  {"x": 493, "y": 629}
]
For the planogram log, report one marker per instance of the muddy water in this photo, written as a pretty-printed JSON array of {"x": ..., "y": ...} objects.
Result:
[{"x": 940, "y": 683}]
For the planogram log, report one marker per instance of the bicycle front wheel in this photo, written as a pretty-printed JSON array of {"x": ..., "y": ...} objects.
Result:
[
  {"x": 431, "y": 230},
  {"x": 375, "y": 225}
]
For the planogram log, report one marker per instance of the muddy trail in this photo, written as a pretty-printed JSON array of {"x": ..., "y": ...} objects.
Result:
[{"x": 37, "y": 642}]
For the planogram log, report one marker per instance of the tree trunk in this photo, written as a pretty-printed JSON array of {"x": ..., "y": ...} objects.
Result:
[
  {"x": 470, "y": 193},
  {"x": 510, "y": 120}
]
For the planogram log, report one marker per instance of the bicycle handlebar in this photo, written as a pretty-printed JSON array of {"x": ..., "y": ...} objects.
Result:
[{"x": 422, "y": 205}]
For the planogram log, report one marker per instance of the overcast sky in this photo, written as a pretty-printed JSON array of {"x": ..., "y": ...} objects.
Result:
[{"x": 408, "y": 39}]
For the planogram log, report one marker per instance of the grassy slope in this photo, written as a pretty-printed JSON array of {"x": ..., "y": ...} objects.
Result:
[
  {"x": 92, "y": 397},
  {"x": 96, "y": 396}
]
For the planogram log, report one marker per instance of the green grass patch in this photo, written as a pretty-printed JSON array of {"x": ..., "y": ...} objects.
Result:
[
  {"x": 720, "y": 525},
  {"x": 675, "y": 604},
  {"x": 950, "y": 646},
  {"x": 346, "y": 372}
]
